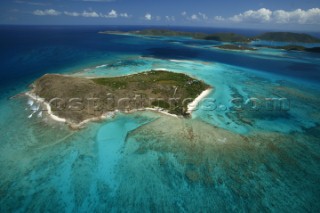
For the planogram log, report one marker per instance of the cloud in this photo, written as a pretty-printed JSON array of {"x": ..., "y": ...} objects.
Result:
[
  {"x": 219, "y": 18},
  {"x": 148, "y": 17},
  {"x": 184, "y": 13},
  {"x": 49, "y": 12},
  {"x": 203, "y": 16},
  {"x": 263, "y": 15},
  {"x": 311, "y": 16},
  {"x": 124, "y": 15},
  {"x": 112, "y": 14},
  {"x": 197, "y": 17},
  {"x": 170, "y": 18},
  {"x": 194, "y": 17},
  {"x": 74, "y": 14},
  {"x": 91, "y": 14}
]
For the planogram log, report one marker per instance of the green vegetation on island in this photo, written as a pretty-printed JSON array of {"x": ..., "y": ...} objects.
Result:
[
  {"x": 288, "y": 37},
  {"x": 77, "y": 99},
  {"x": 228, "y": 37},
  {"x": 224, "y": 37},
  {"x": 237, "y": 41},
  {"x": 159, "y": 32},
  {"x": 294, "y": 48}
]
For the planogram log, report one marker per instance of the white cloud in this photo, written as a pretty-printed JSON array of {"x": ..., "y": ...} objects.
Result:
[
  {"x": 124, "y": 15},
  {"x": 184, "y": 13},
  {"x": 219, "y": 18},
  {"x": 194, "y": 17},
  {"x": 311, "y": 16},
  {"x": 198, "y": 17},
  {"x": 148, "y": 16},
  {"x": 112, "y": 14},
  {"x": 91, "y": 14},
  {"x": 203, "y": 16},
  {"x": 170, "y": 18},
  {"x": 49, "y": 12},
  {"x": 257, "y": 16},
  {"x": 74, "y": 14},
  {"x": 263, "y": 15}
]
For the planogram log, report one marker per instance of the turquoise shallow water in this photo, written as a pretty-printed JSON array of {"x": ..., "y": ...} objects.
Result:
[{"x": 220, "y": 160}]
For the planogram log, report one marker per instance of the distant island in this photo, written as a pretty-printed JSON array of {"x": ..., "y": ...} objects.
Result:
[
  {"x": 224, "y": 37},
  {"x": 294, "y": 48},
  {"x": 234, "y": 47},
  {"x": 159, "y": 32},
  {"x": 288, "y": 37},
  {"x": 227, "y": 37},
  {"x": 75, "y": 100}
]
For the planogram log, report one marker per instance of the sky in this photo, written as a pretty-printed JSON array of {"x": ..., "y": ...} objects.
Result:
[{"x": 256, "y": 14}]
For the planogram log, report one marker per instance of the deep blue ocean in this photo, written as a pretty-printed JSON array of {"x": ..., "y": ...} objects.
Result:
[
  {"x": 27, "y": 52},
  {"x": 219, "y": 160}
]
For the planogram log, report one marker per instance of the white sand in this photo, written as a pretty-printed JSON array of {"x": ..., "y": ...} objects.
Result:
[
  {"x": 49, "y": 111},
  {"x": 160, "y": 110},
  {"x": 181, "y": 61},
  {"x": 191, "y": 107},
  {"x": 82, "y": 123},
  {"x": 194, "y": 104},
  {"x": 160, "y": 69},
  {"x": 63, "y": 120}
]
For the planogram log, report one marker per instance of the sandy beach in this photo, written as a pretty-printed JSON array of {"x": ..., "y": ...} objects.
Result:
[
  {"x": 82, "y": 123},
  {"x": 49, "y": 111},
  {"x": 194, "y": 104}
]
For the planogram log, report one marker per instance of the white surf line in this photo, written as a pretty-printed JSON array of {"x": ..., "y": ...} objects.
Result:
[
  {"x": 194, "y": 104},
  {"x": 104, "y": 65},
  {"x": 63, "y": 120},
  {"x": 159, "y": 69},
  {"x": 181, "y": 61},
  {"x": 49, "y": 111},
  {"x": 111, "y": 114},
  {"x": 102, "y": 117},
  {"x": 160, "y": 110}
]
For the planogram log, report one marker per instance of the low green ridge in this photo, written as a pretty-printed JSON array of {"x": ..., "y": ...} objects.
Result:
[
  {"x": 229, "y": 37},
  {"x": 288, "y": 37}
]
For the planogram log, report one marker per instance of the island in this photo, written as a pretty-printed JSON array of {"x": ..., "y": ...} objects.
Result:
[
  {"x": 223, "y": 37},
  {"x": 234, "y": 47},
  {"x": 164, "y": 32},
  {"x": 293, "y": 48},
  {"x": 288, "y": 37},
  {"x": 77, "y": 100},
  {"x": 226, "y": 36}
]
